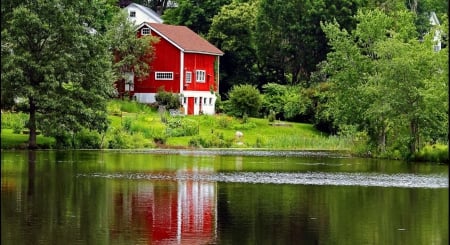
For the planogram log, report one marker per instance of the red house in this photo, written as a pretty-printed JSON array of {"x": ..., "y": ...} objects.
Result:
[{"x": 184, "y": 63}]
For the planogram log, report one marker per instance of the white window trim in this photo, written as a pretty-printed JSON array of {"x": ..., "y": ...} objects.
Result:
[
  {"x": 188, "y": 77},
  {"x": 200, "y": 76},
  {"x": 163, "y": 75},
  {"x": 147, "y": 31}
]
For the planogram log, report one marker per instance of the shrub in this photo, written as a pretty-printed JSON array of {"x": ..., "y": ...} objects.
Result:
[
  {"x": 224, "y": 122},
  {"x": 169, "y": 100},
  {"x": 127, "y": 122},
  {"x": 244, "y": 99},
  {"x": 216, "y": 140},
  {"x": 177, "y": 126},
  {"x": 244, "y": 126},
  {"x": 87, "y": 140}
]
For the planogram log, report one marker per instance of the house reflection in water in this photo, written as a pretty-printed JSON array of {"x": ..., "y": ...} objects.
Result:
[{"x": 165, "y": 212}]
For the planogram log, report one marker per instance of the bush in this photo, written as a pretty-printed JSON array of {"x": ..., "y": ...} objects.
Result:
[
  {"x": 244, "y": 99},
  {"x": 167, "y": 99},
  {"x": 224, "y": 122},
  {"x": 216, "y": 140},
  {"x": 88, "y": 140},
  {"x": 177, "y": 126}
]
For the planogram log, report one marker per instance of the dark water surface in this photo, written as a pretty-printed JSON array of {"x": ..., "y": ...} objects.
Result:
[{"x": 219, "y": 197}]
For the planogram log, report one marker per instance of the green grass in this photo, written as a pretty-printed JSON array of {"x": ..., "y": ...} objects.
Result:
[
  {"x": 138, "y": 122},
  {"x": 11, "y": 140}
]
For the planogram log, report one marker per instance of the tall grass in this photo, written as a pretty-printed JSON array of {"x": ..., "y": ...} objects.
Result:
[{"x": 14, "y": 121}]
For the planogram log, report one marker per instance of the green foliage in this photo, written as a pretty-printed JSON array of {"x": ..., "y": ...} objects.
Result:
[
  {"x": 289, "y": 45},
  {"x": 216, "y": 140},
  {"x": 177, "y": 126},
  {"x": 197, "y": 15},
  {"x": 168, "y": 99},
  {"x": 244, "y": 99},
  {"x": 60, "y": 69},
  {"x": 273, "y": 98},
  {"x": 233, "y": 30},
  {"x": 122, "y": 140},
  {"x": 88, "y": 140},
  {"x": 14, "y": 121},
  {"x": 387, "y": 83},
  {"x": 131, "y": 53},
  {"x": 433, "y": 153}
]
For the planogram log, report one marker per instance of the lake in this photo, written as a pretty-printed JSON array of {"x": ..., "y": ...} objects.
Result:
[{"x": 219, "y": 197}]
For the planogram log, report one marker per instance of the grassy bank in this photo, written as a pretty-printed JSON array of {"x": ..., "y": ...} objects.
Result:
[{"x": 137, "y": 126}]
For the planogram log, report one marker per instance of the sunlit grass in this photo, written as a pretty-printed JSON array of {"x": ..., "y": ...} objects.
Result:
[{"x": 10, "y": 140}]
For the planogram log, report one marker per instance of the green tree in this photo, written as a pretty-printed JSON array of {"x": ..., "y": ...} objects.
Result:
[
  {"x": 244, "y": 99},
  {"x": 195, "y": 14},
  {"x": 289, "y": 44},
  {"x": 132, "y": 54},
  {"x": 58, "y": 65},
  {"x": 232, "y": 30},
  {"x": 386, "y": 82}
]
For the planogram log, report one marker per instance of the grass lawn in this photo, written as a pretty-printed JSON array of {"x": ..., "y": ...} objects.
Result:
[
  {"x": 140, "y": 125},
  {"x": 10, "y": 140}
]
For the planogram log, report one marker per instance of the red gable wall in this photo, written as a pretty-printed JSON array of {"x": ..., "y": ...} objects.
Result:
[
  {"x": 167, "y": 59},
  {"x": 193, "y": 62}
]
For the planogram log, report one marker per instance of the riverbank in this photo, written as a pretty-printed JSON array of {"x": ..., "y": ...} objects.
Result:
[{"x": 138, "y": 126}]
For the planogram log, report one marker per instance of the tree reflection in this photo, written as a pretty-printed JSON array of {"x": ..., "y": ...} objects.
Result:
[{"x": 31, "y": 171}]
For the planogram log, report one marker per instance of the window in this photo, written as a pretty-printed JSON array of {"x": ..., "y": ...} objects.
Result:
[
  {"x": 163, "y": 75},
  {"x": 132, "y": 14},
  {"x": 195, "y": 100},
  {"x": 210, "y": 101},
  {"x": 204, "y": 101},
  {"x": 184, "y": 100},
  {"x": 188, "y": 77},
  {"x": 200, "y": 75},
  {"x": 145, "y": 31}
]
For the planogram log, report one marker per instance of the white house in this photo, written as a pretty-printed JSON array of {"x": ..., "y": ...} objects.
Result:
[
  {"x": 139, "y": 14},
  {"x": 434, "y": 21}
]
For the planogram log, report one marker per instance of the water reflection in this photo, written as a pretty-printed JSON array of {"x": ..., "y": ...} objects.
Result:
[
  {"x": 88, "y": 197},
  {"x": 180, "y": 212}
]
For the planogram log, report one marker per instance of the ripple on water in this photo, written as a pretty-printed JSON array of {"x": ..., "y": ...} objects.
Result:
[{"x": 308, "y": 178}]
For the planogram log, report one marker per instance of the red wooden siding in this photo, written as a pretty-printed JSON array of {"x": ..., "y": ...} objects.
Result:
[
  {"x": 194, "y": 62},
  {"x": 167, "y": 59}
]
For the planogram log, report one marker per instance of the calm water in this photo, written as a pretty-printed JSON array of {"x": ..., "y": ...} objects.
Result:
[{"x": 204, "y": 197}]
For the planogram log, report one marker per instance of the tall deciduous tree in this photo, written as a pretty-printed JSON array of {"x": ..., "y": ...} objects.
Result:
[
  {"x": 233, "y": 30},
  {"x": 60, "y": 67},
  {"x": 388, "y": 83},
  {"x": 195, "y": 14},
  {"x": 289, "y": 44}
]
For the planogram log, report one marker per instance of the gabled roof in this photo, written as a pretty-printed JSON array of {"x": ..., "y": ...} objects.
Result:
[
  {"x": 152, "y": 15},
  {"x": 183, "y": 38},
  {"x": 434, "y": 19}
]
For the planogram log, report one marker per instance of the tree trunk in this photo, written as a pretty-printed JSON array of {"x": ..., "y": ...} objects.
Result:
[
  {"x": 382, "y": 140},
  {"x": 32, "y": 125},
  {"x": 414, "y": 131}
]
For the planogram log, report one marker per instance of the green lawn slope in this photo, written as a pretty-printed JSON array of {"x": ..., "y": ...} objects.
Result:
[{"x": 144, "y": 127}]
